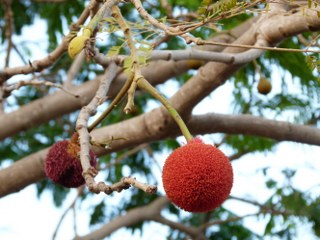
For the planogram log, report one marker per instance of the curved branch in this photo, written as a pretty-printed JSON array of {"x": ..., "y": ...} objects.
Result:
[
  {"x": 39, "y": 65},
  {"x": 150, "y": 212},
  {"x": 135, "y": 130},
  {"x": 257, "y": 126},
  {"x": 286, "y": 25},
  {"x": 71, "y": 207},
  {"x": 193, "y": 232},
  {"x": 231, "y": 219},
  {"x": 132, "y": 217}
]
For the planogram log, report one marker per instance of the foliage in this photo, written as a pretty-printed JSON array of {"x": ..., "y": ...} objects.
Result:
[
  {"x": 284, "y": 201},
  {"x": 245, "y": 144}
]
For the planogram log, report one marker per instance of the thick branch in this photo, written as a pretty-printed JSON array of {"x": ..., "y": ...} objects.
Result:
[
  {"x": 176, "y": 55},
  {"x": 46, "y": 108},
  {"x": 29, "y": 170},
  {"x": 134, "y": 130},
  {"x": 22, "y": 173},
  {"x": 257, "y": 126}
]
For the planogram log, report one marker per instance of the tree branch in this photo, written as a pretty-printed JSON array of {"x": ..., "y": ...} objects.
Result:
[
  {"x": 39, "y": 65},
  {"x": 29, "y": 169},
  {"x": 132, "y": 217},
  {"x": 263, "y": 207},
  {"x": 193, "y": 232},
  {"x": 71, "y": 207},
  {"x": 9, "y": 28},
  {"x": 231, "y": 219},
  {"x": 257, "y": 126},
  {"x": 82, "y": 123}
]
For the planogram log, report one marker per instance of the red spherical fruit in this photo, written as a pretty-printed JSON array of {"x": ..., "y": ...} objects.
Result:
[
  {"x": 63, "y": 165},
  {"x": 197, "y": 177}
]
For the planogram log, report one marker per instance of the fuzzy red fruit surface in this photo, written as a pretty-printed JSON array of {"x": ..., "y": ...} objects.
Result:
[
  {"x": 197, "y": 177},
  {"x": 63, "y": 165}
]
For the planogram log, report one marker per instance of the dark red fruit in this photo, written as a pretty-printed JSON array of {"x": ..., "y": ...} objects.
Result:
[{"x": 63, "y": 165}]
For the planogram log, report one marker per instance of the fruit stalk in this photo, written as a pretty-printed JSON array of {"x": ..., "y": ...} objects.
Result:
[{"x": 145, "y": 85}]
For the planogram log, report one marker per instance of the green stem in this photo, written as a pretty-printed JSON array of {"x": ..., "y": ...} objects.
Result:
[
  {"x": 113, "y": 104},
  {"x": 145, "y": 85},
  {"x": 94, "y": 22}
]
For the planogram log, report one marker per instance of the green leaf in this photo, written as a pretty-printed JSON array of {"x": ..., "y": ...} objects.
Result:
[
  {"x": 98, "y": 214},
  {"x": 114, "y": 51},
  {"x": 271, "y": 183},
  {"x": 270, "y": 225},
  {"x": 245, "y": 143},
  {"x": 128, "y": 63},
  {"x": 203, "y": 8}
]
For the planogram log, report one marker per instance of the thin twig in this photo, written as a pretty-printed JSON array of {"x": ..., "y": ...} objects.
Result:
[
  {"x": 125, "y": 155},
  {"x": 231, "y": 219},
  {"x": 151, "y": 155},
  {"x": 123, "y": 184},
  {"x": 199, "y": 41},
  {"x": 35, "y": 82},
  {"x": 264, "y": 208},
  {"x": 135, "y": 69},
  {"x": 238, "y": 155},
  {"x": 74, "y": 69},
  {"x": 189, "y": 38},
  {"x": 39, "y": 65},
  {"x": 72, "y": 206},
  {"x": 14, "y": 46},
  {"x": 182, "y": 30},
  {"x": 9, "y": 28},
  {"x": 113, "y": 104}
]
